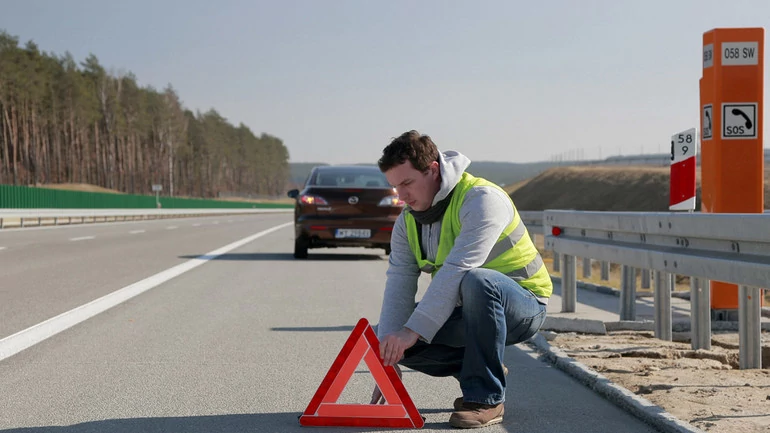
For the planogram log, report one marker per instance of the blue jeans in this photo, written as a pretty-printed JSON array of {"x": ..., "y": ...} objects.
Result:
[{"x": 496, "y": 312}]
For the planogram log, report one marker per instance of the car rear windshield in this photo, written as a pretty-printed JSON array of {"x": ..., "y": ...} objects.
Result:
[{"x": 349, "y": 178}]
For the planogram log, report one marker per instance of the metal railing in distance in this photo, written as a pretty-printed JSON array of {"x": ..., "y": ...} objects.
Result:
[
  {"x": 22, "y": 217},
  {"x": 732, "y": 248},
  {"x": 533, "y": 220}
]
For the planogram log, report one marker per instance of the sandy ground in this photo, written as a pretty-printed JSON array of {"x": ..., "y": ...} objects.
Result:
[{"x": 703, "y": 388}]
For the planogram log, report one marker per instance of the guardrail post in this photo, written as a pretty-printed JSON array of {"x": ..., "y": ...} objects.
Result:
[
  {"x": 605, "y": 271},
  {"x": 586, "y": 267},
  {"x": 662, "y": 306},
  {"x": 749, "y": 327},
  {"x": 569, "y": 285},
  {"x": 646, "y": 279},
  {"x": 628, "y": 293},
  {"x": 556, "y": 264},
  {"x": 700, "y": 314}
]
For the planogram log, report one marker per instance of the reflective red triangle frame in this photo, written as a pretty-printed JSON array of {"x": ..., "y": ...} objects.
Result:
[{"x": 324, "y": 410}]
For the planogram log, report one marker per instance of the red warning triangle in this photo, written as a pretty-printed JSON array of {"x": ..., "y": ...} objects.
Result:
[{"x": 324, "y": 410}]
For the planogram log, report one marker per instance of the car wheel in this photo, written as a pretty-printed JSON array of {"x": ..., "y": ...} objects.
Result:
[
  {"x": 387, "y": 250},
  {"x": 300, "y": 248}
]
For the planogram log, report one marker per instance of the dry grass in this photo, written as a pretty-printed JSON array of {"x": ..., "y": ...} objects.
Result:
[
  {"x": 511, "y": 188},
  {"x": 83, "y": 187},
  {"x": 248, "y": 200}
]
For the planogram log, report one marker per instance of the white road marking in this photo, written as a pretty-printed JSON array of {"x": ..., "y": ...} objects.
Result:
[
  {"x": 172, "y": 227},
  {"x": 216, "y": 222},
  {"x": 83, "y": 238},
  {"x": 2, "y": 248},
  {"x": 196, "y": 225},
  {"x": 21, "y": 340},
  {"x": 133, "y": 232}
]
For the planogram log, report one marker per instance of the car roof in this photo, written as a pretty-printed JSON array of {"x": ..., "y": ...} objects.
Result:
[
  {"x": 348, "y": 169},
  {"x": 347, "y": 166}
]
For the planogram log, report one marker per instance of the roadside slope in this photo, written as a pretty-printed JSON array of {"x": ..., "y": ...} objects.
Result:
[{"x": 602, "y": 188}]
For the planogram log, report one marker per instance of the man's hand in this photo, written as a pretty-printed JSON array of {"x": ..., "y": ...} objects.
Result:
[
  {"x": 392, "y": 347},
  {"x": 377, "y": 397}
]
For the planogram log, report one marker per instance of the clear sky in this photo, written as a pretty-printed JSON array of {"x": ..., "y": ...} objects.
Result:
[{"x": 504, "y": 80}]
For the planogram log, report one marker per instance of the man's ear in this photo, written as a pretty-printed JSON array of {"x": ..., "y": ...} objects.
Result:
[{"x": 435, "y": 169}]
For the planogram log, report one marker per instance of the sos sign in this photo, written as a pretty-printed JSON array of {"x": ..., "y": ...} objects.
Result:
[{"x": 739, "y": 121}]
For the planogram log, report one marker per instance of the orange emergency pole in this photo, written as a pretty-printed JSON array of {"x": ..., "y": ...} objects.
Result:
[{"x": 732, "y": 157}]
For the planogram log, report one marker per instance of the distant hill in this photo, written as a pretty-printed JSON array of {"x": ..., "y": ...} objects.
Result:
[
  {"x": 508, "y": 173},
  {"x": 603, "y": 188},
  {"x": 501, "y": 173}
]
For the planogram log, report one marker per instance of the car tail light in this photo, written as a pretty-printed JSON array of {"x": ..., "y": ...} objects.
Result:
[
  {"x": 391, "y": 200},
  {"x": 313, "y": 199}
]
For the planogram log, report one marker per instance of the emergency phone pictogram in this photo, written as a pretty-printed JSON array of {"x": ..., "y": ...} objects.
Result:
[{"x": 739, "y": 120}]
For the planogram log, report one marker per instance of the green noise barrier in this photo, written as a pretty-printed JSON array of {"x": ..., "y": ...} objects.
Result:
[{"x": 24, "y": 197}]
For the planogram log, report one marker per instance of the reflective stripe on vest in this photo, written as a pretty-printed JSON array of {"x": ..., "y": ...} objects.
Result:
[{"x": 514, "y": 254}]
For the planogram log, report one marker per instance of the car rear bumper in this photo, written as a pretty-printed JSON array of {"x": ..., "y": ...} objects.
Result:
[{"x": 323, "y": 232}]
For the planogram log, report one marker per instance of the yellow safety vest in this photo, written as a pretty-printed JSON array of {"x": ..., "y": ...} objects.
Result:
[{"x": 514, "y": 254}]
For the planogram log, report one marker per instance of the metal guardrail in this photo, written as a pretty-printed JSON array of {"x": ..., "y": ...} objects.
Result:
[
  {"x": 732, "y": 248},
  {"x": 533, "y": 220},
  {"x": 74, "y": 216}
]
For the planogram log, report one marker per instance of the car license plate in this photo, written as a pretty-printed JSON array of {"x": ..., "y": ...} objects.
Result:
[{"x": 353, "y": 233}]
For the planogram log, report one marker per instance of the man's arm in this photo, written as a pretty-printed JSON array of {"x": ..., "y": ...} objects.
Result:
[
  {"x": 485, "y": 213},
  {"x": 401, "y": 284}
]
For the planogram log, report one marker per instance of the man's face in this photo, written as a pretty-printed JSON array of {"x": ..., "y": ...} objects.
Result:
[{"x": 414, "y": 187}]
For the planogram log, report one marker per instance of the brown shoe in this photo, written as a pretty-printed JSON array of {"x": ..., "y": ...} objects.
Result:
[
  {"x": 475, "y": 415},
  {"x": 458, "y": 403}
]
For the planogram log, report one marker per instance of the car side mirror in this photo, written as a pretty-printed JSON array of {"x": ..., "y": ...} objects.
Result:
[{"x": 293, "y": 193}]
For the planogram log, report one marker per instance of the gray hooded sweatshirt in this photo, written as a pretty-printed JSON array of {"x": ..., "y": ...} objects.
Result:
[{"x": 485, "y": 213}]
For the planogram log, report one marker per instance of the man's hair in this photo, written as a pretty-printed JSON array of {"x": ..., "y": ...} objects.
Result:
[{"x": 410, "y": 146}]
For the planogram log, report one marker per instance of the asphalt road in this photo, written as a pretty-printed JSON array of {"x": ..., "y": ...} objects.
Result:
[{"x": 239, "y": 343}]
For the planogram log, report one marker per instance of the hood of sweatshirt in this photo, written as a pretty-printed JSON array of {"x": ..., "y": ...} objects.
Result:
[{"x": 452, "y": 165}]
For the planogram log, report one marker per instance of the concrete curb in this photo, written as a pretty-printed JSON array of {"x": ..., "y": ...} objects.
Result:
[
  {"x": 615, "y": 292},
  {"x": 600, "y": 289},
  {"x": 677, "y": 326},
  {"x": 621, "y": 397},
  {"x": 583, "y": 326}
]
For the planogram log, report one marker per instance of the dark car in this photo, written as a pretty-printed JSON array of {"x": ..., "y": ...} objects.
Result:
[{"x": 344, "y": 206}]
